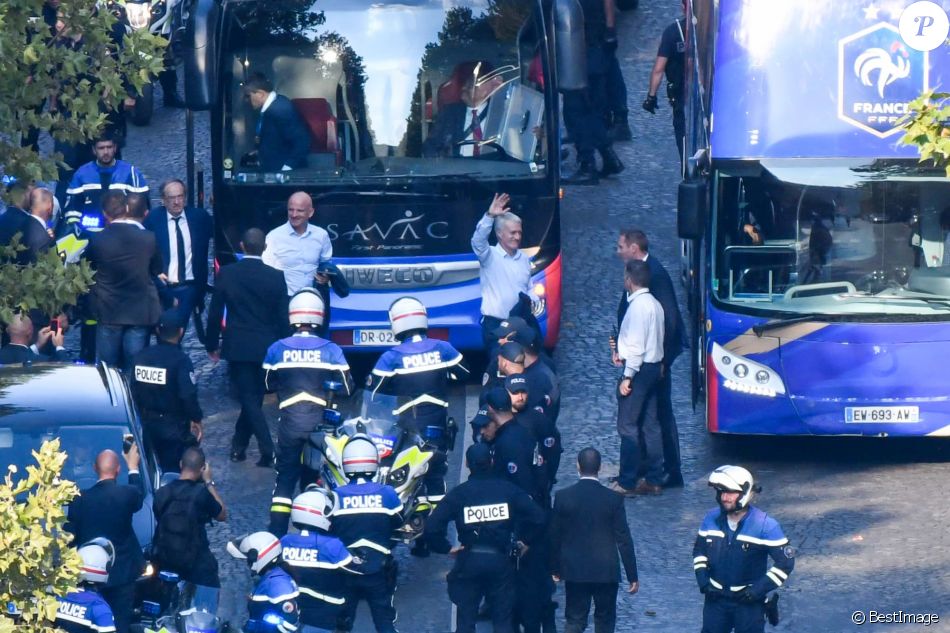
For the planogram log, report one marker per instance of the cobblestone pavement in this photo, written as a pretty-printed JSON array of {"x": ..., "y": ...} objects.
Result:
[{"x": 868, "y": 518}]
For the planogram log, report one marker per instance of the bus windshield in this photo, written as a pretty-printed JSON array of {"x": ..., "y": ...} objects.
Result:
[
  {"x": 827, "y": 237},
  {"x": 385, "y": 90}
]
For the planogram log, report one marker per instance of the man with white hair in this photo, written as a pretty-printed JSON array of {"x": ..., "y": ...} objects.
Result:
[{"x": 505, "y": 271}]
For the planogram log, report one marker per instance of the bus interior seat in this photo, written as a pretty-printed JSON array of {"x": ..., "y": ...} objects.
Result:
[{"x": 321, "y": 122}]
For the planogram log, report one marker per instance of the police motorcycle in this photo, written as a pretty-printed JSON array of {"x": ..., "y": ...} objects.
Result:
[
  {"x": 404, "y": 456},
  {"x": 165, "y": 606},
  {"x": 161, "y": 18}
]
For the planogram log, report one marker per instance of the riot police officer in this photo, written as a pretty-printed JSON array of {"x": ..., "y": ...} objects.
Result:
[
  {"x": 319, "y": 562},
  {"x": 272, "y": 605},
  {"x": 418, "y": 371},
  {"x": 85, "y": 610},
  {"x": 365, "y": 515},
  {"x": 297, "y": 368},
  {"x": 730, "y": 557},
  {"x": 495, "y": 521},
  {"x": 164, "y": 387}
]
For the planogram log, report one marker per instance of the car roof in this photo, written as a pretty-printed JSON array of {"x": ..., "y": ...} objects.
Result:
[{"x": 60, "y": 394}]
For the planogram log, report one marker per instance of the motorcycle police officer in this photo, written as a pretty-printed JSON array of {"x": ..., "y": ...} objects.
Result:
[
  {"x": 297, "y": 367},
  {"x": 418, "y": 371},
  {"x": 365, "y": 515},
  {"x": 318, "y": 561},
  {"x": 731, "y": 555},
  {"x": 164, "y": 386},
  {"x": 494, "y": 520},
  {"x": 272, "y": 605},
  {"x": 85, "y": 610}
]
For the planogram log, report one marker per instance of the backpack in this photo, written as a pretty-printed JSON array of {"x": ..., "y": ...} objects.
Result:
[{"x": 178, "y": 537}]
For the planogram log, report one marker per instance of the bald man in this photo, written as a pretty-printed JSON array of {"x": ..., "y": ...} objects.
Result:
[
  {"x": 298, "y": 247},
  {"x": 106, "y": 510},
  {"x": 22, "y": 349}
]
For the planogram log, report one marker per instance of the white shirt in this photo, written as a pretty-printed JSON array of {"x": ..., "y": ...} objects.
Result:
[
  {"x": 127, "y": 221},
  {"x": 468, "y": 149},
  {"x": 502, "y": 275},
  {"x": 641, "y": 332},
  {"x": 174, "y": 276},
  {"x": 297, "y": 255}
]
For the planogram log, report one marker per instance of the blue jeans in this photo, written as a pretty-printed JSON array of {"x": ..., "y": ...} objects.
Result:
[{"x": 120, "y": 343}]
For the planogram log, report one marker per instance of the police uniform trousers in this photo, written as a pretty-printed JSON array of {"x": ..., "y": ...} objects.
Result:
[
  {"x": 639, "y": 429},
  {"x": 534, "y": 610},
  {"x": 170, "y": 436},
  {"x": 723, "y": 615},
  {"x": 121, "y": 599},
  {"x": 482, "y": 573},
  {"x": 377, "y": 590},
  {"x": 585, "y": 111},
  {"x": 290, "y": 469}
]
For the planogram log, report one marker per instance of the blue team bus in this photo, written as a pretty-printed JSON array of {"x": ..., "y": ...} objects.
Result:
[
  {"x": 371, "y": 79},
  {"x": 819, "y": 273}
]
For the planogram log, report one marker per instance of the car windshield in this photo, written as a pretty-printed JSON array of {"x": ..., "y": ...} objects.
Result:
[
  {"x": 387, "y": 89},
  {"x": 81, "y": 443},
  {"x": 832, "y": 237}
]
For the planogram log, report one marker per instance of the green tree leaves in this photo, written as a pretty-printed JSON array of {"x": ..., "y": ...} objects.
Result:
[{"x": 927, "y": 125}]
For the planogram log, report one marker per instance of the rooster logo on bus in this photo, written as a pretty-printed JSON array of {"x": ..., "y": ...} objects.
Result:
[
  {"x": 888, "y": 69},
  {"x": 877, "y": 76}
]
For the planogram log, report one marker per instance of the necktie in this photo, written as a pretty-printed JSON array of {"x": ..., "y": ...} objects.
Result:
[
  {"x": 476, "y": 133},
  {"x": 180, "y": 241}
]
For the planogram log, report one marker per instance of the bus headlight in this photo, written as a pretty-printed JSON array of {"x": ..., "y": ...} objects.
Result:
[{"x": 744, "y": 375}]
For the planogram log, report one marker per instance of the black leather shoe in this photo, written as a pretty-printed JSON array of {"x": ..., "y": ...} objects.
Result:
[
  {"x": 266, "y": 461},
  {"x": 238, "y": 456},
  {"x": 586, "y": 174},
  {"x": 612, "y": 164}
]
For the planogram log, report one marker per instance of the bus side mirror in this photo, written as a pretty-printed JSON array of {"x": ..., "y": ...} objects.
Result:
[
  {"x": 570, "y": 51},
  {"x": 691, "y": 209},
  {"x": 199, "y": 50}
]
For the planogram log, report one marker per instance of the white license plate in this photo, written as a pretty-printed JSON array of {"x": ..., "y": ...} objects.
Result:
[
  {"x": 854, "y": 415},
  {"x": 373, "y": 337}
]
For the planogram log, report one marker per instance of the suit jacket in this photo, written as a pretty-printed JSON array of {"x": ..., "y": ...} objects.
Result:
[
  {"x": 36, "y": 240},
  {"x": 661, "y": 287},
  {"x": 199, "y": 227},
  {"x": 447, "y": 131},
  {"x": 590, "y": 535},
  {"x": 255, "y": 296},
  {"x": 283, "y": 137},
  {"x": 125, "y": 258},
  {"x": 11, "y": 354},
  {"x": 106, "y": 509},
  {"x": 12, "y": 221}
]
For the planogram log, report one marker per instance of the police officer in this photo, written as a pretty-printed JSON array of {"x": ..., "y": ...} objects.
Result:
[
  {"x": 494, "y": 520},
  {"x": 272, "y": 605},
  {"x": 510, "y": 360},
  {"x": 164, "y": 387},
  {"x": 514, "y": 449},
  {"x": 85, "y": 610},
  {"x": 731, "y": 556},
  {"x": 365, "y": 515},
  {"x": 418, "y": 371},
  {"x": 319, "y": 562},
  {"x": 670, "y": 60},
  {"x": 297, "y": 367},
  {"x": 543, "y": 427}
]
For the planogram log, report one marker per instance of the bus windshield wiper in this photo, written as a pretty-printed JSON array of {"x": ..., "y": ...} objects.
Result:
[{"x": 761, "y": 328}]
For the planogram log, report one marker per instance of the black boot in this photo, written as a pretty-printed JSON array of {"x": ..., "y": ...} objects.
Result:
[
  {"x": 586, "y": 174},
  {"x": 619, "y": 130},
  {"x": 612, "y": 164}
]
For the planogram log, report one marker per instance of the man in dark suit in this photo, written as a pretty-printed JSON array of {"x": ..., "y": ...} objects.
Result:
[
  {"x": 633, "y": 244},
  {"x": 21, "y": 348},
  {"x": 36, "y": 238},
  {"x": 255, "y": 296},
  {"x": 106, "y": 510},
  {"x": 590, "y": 539},
  {"x": 124, "y": 298},
  {"x": 182, "y": 235},
  {"x": 458, "y": 127},
  {"x": 283, "y": 140}
]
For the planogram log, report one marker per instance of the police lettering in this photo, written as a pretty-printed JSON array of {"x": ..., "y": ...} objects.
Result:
[
  {"x": 150, "y": 375},
  {"x": 485, "y": 514},
  {"x": 421, "y": 360},
  {"x": 72, "y": 610},
  {"x": 300, "y": 554},
  {"x": 363, "y": 501},
  {"x": 301, "y": 356}
]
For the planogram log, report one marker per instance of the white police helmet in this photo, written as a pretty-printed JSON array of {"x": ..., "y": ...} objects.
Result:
[
  {"x": 407, "y": 314},
  {"x": 312, "y": 508},
  {"x": 259, "y": 549},
  {"x": 97, "y": 557},
  {"x": 307, "y": 308},
  {"x": 734, "y": 479},
  {"x": 360, "y": 457}
]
